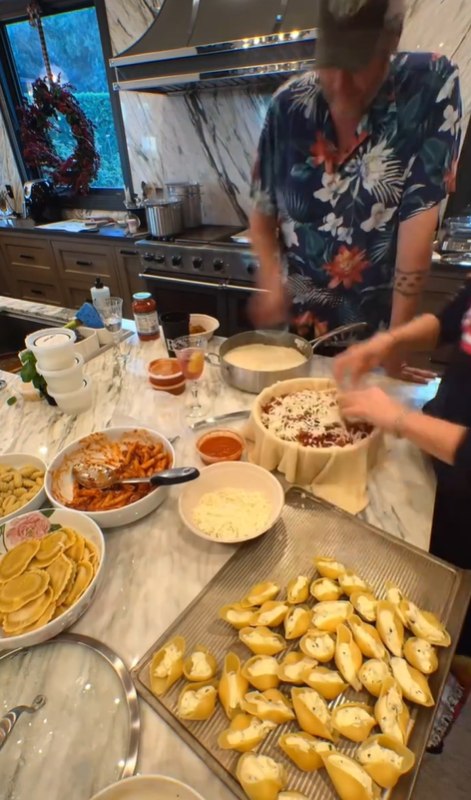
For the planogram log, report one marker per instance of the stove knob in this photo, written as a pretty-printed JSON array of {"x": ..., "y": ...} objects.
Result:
[
  {"x": 251, "y": 269},
  {"x": 160, "y": 259},
  {"x": 197, "y": 262},
  {"x": 218, "y": 264},
  {"x": 176, "y": 261}
]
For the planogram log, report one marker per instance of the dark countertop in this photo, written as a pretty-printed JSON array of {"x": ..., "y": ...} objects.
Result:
[{"x": 114, "y": 232}]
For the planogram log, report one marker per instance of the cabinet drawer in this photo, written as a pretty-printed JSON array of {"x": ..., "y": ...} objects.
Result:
[
  {"x": 79, "y": 260},
  {"x": 38, "y": 292},
  {"x": 35, "y": 253}
]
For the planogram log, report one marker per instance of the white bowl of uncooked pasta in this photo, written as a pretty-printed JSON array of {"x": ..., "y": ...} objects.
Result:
[
  {"x": 21, "y": 485},
  {"x": 232, "y": 502}
]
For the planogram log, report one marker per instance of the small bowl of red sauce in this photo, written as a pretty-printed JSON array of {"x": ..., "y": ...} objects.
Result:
[{"x": 220, "y": 445}]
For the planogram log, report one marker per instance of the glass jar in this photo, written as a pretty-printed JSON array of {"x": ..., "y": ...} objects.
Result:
[{"x": 145, "y": 316}]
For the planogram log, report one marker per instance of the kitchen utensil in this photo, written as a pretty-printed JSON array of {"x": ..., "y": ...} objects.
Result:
[
  {"x": 232, "y": 475},
  {"x": 93, "y": 701},
  {"x": 308, "y": 527},
  {"x": 116, "y": 516},
  {"x": 254, "y": 382},
  {"x": 18, "y": 460},
  {"x": 232, "y": 416},
  {"x": 35, "y": 525},
  {"x": 190, "y": 196},
  {"x": 100, "y": 476},
  {"x": 8, "y": 722},
  {"x": 174, "y": 324},
  {"x": 164, "y": 217},
  {"x": 149, "y": 787}
]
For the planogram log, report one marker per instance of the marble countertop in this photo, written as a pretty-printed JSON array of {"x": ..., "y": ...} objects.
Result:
[{"x": 155, "y": 567}]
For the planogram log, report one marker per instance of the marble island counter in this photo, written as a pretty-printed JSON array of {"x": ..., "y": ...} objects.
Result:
[{"x": 155, "y": 567}]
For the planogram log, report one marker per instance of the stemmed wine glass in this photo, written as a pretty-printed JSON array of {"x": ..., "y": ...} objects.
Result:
[
  {"x": 190, "y": 351},
  {"x": 110, "y": 310}
]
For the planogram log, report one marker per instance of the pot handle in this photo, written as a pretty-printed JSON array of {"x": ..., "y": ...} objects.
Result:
[
  {"x": 351, "y": 328},
  {"x": 213, "y": 359}
]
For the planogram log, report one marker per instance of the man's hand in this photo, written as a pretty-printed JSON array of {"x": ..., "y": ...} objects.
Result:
[
  {"x": 270, "y": 307},
  {"x": 373, "y": 406},
  {"x": 362, "y": 358}
]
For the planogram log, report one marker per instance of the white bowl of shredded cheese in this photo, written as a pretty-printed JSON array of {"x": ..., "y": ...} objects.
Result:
[{"x": 232, "y": 502}]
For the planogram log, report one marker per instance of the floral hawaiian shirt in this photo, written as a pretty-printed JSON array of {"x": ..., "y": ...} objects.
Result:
[{"x": 339, "y": 220}]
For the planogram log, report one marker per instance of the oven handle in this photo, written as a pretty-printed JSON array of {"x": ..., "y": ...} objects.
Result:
[{"x": 189, "y": 282}]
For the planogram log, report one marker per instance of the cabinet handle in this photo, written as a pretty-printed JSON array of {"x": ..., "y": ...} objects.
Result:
[
  {"x": 129, "y": 252},
  {"x": 36, "y": 291},
  {"x": 27, "y": 257},
  {"x": 84, "y": 263}
]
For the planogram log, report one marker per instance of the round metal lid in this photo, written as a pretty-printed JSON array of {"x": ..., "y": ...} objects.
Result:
[{"x": 85, "y": 736}]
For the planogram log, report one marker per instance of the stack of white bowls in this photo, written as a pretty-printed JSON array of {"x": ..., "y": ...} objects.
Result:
[{"x": 61, "y": 368}]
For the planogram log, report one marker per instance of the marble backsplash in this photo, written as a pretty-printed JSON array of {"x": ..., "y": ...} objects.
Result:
[{"x": 210, "y": 137}]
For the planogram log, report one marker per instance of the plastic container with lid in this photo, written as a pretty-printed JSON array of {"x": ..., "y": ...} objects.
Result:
[{"x": 145, "y": 316}]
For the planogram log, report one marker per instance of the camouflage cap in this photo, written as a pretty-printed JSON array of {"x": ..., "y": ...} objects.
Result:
[{"x": 349, "y": 31}]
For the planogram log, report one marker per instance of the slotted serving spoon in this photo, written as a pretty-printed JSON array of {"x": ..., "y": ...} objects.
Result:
[
  {"x": 8, "y": 722},
  {"x": 101, "y": 476}
]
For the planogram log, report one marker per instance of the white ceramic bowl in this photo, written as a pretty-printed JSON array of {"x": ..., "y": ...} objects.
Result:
[
  {"x": 231, "y": 475},
  {"x": 75, "y": 402},
  {"x": 210, "y": 325},
  {"x": 52, "y": 347},
  {"x": 35, "y": 525},
  {"x": 148, "y": 787},
  {"x": 89, "y": 345},
  {"x": 17, "y": 460},
  {"x": 64, "y": 380},
  {"x": 117, "y": 516}
]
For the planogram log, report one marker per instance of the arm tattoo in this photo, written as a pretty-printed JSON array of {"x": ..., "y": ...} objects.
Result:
[{"x": 409, "y": 284}]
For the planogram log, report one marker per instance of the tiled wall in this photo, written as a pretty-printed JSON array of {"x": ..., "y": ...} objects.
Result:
[{"x": 211, "y": 137}]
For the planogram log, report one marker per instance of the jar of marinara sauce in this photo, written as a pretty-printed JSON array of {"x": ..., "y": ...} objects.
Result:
[{"x": 145, "y": 316}]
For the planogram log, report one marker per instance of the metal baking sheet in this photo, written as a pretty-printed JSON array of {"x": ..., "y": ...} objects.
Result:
[{"x": 309, "y": 527}]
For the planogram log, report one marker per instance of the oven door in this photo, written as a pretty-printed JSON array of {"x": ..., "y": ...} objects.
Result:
[{"x": 185, "y": 294}]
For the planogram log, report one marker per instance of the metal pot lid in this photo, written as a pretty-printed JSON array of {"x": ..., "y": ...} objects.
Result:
[{"x": 86, "y": 735}]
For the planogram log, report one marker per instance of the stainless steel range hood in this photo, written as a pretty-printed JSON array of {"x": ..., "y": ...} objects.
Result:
[{"x": 208, "y": 43}]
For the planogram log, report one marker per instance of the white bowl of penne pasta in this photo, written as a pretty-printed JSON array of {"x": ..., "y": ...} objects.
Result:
[
  {"x": 21, "y": 485},
  {"x": 133, "y": 452}
]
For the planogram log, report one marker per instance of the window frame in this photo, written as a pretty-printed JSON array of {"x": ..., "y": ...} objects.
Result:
[{"x": 107, "y": 199}]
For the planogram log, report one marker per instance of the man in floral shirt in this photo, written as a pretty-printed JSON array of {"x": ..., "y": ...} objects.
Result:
[{"x": 353, "y": 162}]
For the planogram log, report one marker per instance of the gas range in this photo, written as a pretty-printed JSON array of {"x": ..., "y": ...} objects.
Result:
[{"x": 201, "y": 254}]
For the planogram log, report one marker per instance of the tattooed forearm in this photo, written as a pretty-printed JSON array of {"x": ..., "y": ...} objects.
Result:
[{"x": 409, "y": 283}]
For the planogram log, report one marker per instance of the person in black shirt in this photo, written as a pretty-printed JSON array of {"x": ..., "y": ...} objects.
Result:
[{"x": 443, "y": 431}]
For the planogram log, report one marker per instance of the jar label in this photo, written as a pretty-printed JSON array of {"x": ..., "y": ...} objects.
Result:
[{"x": 147, "y": 323}]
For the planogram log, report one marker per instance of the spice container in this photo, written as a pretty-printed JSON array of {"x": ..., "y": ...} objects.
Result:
[{"x": 145, "y": 316}]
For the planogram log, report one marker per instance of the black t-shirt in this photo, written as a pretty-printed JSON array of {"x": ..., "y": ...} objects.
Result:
[{"x": 453, "y": 399}]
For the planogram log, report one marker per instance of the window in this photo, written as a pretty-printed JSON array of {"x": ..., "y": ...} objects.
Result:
[{"x": 76, "y": 55}]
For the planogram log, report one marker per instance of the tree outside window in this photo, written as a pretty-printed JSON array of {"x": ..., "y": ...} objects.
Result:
[{"x": 76, "y": 55}]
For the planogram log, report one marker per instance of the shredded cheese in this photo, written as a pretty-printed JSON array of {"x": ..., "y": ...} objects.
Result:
[{"x": 232, "y": 513}]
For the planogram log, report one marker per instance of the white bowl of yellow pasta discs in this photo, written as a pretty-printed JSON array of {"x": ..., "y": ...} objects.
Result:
[
  {"x": 21, "y": 485},
  {"x": 51, "y": 564}
]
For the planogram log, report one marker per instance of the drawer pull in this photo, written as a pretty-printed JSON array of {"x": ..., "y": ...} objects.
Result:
[
  {"x": 129, "y": 252},
  {"x": 26, "y": 257},
  {"x": 36, "y": 291},
  {"x": 84, "y": 263}
]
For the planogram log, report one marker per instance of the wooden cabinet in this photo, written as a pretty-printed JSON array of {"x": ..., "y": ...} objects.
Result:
[
  {"x": 6, "y": 287},
  {"x": 31, "y": 268},
  {"x": 129, "y": 267},
  {"x": 79, "y": 264}
]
